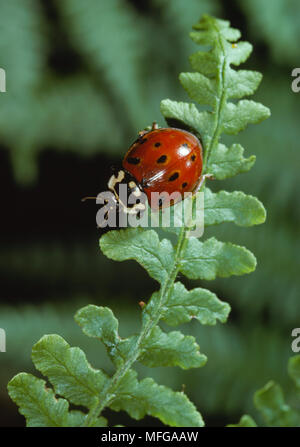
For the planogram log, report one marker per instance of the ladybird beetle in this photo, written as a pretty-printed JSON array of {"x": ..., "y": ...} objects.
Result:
[{"x": 162, "y": 160}]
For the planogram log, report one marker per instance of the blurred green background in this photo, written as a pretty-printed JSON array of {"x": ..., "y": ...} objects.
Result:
[{"x": 83, "y": 77}]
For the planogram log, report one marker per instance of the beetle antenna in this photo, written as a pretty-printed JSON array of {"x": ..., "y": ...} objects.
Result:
[{"x": 88, "y": 198}]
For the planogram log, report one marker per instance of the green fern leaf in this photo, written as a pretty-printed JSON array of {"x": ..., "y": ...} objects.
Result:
[
  {"x": 68, "y": 370},
  {"x": 243, "y": 83},
  {"x": 238, "y": 116},
  {"x": 270, "y": 402},
  {"x": 146, "y": 397},
  {"x": 205, "y": 62},
  {"x": 187, "y": 116},
  {"x": 172, "y": 349},
  {"x": 212, "y": 258},
  {"x": 38, "y": 403},
  {"x": 226, "y": 162},
  {"x": 100, "y": 322},
  {"x": 294, "y": 369},
  {"x": 143, "y": 246},
  {"x": 205, "y": 95},
  {"x": 184, "y": 305},
  {"x": 245, "y": 421},
  {"x": 236, "y": 207}
]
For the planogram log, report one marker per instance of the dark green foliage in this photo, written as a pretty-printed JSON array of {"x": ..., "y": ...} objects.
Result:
[
  {"x": 277, "y": 26},
  {"x": 271, "y": 404},
  {"x": 118, "y": 89}
]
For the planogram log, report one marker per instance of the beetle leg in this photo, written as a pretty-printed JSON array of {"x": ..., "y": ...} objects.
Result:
[
  {"x": 202, "y": 180},
  {"x": 153, "y": 127}
]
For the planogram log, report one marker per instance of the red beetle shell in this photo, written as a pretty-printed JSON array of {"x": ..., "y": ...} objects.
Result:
[{"x": 165, "y": 160}]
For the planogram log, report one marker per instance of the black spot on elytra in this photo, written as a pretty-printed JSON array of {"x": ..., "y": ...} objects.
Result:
[
  {"x": 133, "y": 160},
  {"x": 162, "y": 159},
  {"x": 184, "y": 185},
  {"x": 173, "y": 177},
  {"x": 193, "y": 157},
  {"x": 157, "y": 144}
]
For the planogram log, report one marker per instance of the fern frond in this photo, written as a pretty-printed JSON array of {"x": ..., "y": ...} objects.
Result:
[{"x": 163, "y": 261}]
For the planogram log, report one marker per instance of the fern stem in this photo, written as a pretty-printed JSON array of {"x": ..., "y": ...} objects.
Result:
[
  {"x": 221, "y": 101},
  {"x": 107, "y": 394}
]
